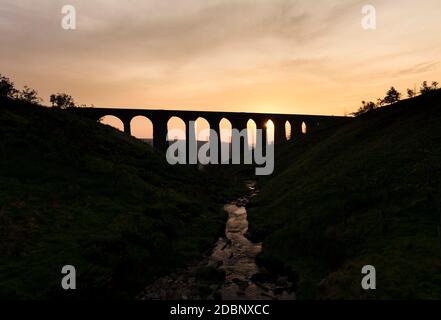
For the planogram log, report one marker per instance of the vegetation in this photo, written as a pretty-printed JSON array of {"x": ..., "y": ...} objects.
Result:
[
  {"x": 425, "y": 88},
  {"x": 8, "y": 91},
  {"x": 7, "y": 88},
  {"x": 79, "y": 193},
  {"x": 62, "y": 101},
  {"x": 73, "y": 192},
  {"x": 28, "y": 95},
  {"x": 366, "y": 194},
  {"x": 59, "y": 100},
  {"x": 367, "y": 107},
  {"x": 393, "y": 96}
]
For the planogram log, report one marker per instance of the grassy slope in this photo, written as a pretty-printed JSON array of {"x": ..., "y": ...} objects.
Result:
[
  {"x": 368, "y": 193},
  {"x": 74, "y": 192}
]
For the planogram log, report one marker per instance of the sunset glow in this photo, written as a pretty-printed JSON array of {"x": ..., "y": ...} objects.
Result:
[{"x": 280, "y": 56}]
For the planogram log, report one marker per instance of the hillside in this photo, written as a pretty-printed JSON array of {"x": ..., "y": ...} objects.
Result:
[
  {"x": 366, "y": 194},
  {"x": 73, "y": 192}
]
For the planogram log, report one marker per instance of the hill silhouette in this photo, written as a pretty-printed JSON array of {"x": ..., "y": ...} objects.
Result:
[
  {"x": 73, "y": 192},
  {"x": 76, "y": 192},
  {"x": 365, "y": 194}
]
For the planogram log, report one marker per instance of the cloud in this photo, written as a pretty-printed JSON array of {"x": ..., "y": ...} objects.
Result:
[
  {"x": 419, "y": 68},
  {"x": 197, "y": 50}
]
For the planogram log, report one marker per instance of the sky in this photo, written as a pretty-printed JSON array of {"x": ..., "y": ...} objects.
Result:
[{"x": 278, "y": 56}]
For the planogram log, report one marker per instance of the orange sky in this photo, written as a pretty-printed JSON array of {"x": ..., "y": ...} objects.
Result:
[{"x": 280, "y": 56}]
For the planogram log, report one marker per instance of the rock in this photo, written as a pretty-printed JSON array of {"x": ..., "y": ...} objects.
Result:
[
  {"x": 242, "y": 284},
  {"x": 217, "y": 295},
  {"x": 261, "y": 277},
  {"x": 261, "y": 286},
  {"x": 323, "y": 282},
  {"x": 282, "y": 281},
  {"x": 323, "y": 287},
  {"x": 278, "y": 291}
]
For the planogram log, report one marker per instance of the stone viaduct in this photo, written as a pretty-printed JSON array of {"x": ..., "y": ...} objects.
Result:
[{"x": 238, "y": 120}]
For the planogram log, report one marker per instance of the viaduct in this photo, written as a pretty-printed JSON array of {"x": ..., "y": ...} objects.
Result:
[{"x": 238, "y": 120}]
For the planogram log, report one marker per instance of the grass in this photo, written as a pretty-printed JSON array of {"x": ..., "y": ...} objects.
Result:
[
  {"x": 366, "y": 193},
  {"x": 74, "y": 192}
]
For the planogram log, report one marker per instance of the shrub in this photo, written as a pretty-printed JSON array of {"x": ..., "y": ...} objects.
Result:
[
  {"x": 29, "y": 95},
  {"x": 62, "y": 101},
  {"x": 7, "y": 88}
]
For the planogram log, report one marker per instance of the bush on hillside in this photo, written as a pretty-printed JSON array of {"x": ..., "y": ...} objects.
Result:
[
  {"x": 7, "y": 88},
  {"x": 62, "y": 101}
]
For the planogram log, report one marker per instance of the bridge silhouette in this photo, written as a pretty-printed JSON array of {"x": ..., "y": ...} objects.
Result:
[{"x": 238, "y": 120}]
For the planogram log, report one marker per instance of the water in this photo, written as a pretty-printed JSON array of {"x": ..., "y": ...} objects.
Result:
[
  {"x": 237, "y": 257},
  {"x": 233, "y": 254},
  {"x": 236, "y": 254}
]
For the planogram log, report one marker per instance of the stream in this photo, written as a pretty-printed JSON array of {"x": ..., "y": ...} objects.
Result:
[{"x": 233, "y": 257}]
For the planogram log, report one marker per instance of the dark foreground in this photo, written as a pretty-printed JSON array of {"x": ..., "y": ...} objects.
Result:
[
  {"x": 366, "y": 194},
  {"x": 73, "y": 192}
]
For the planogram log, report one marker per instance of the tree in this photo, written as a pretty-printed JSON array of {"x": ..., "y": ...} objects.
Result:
[
  {"x": 7, "y": 88},
  {"x": 392, "y": 96},
  {"x": 62, "y": 101},
  {"x": 29, "y": 95},
  {"x": 367, "y": 107},
  {"x": 411, "y": 93},
  {"x": 435, "y": 85},
  {"x": 425, "y": 88},
  {"x": 380, "y": 103}
]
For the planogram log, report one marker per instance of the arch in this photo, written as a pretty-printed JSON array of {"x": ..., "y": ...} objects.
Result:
[
  {"x": 112, "y": 121},
  {"x": 176, "y": 129},
  {"x": 270, "y": 127},
  {"x": 304, "y": 128},
  {"x": 226, "y": 130},
  {"x": 252, "y": 132},
  {"x": 177, "y": 133},
  {"x": 202, "y": 130},
  {"x": 288, "y": 130},
  {"x": 226, "y": 137},
  {"x": 142, "y": 128}
]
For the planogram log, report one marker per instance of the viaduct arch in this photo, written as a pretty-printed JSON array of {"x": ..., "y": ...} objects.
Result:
[{"x": 160, "y": 118}]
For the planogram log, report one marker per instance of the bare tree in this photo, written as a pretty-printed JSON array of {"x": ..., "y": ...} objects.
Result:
[
  {"x": 29, "y": 95},
  {"x": 380, "y": 102}
]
